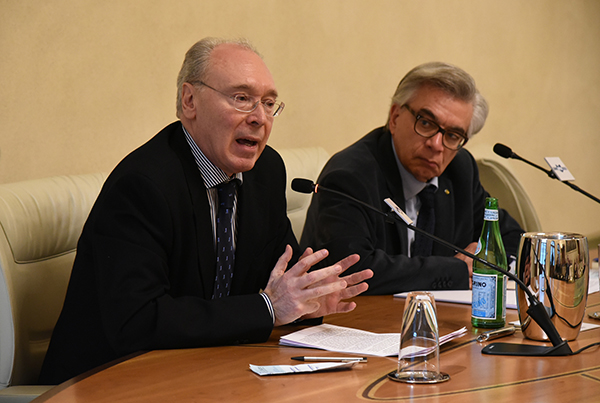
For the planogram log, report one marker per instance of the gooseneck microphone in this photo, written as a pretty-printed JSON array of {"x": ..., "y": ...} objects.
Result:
[
  {"x": 506, "y": 152},
  {"x": 307, "y": 186},
  {"x": 537, "y": 311}
]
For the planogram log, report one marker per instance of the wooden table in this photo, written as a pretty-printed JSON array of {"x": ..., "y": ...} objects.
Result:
[{"x": 221, "y": 374}]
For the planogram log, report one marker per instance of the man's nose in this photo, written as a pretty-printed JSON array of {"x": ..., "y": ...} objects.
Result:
[
  {"x": 436, "y": 141},
  {"x": 259, "y": 115}
]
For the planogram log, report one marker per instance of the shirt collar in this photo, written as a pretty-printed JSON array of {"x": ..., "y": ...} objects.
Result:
[
  {"x": 212, "y": 175},
  {"x": 411, "y": 185}
]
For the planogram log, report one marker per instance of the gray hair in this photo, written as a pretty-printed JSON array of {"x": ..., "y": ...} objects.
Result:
[
  {"x": 197, "y": 60},
  {"x": 451, "y": 79}
]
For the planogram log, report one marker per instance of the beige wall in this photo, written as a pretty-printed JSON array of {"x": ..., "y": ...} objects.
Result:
[{"x": 84, "y": 82}]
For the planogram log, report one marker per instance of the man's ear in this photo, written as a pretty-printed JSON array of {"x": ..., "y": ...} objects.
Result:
[
  {"x": 188, "y": 100},
  {"x": 393, "y": 121}
]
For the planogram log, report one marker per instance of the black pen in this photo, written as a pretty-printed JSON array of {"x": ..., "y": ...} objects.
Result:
[{"x": 342, "y": 359}]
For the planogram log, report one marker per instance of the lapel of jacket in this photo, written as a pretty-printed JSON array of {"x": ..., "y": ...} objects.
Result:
[
  {"x": 387, "y": 163},
  {"x": 201, "y": 211}
]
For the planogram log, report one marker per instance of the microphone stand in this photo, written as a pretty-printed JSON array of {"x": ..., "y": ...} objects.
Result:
[
  {"x": 548, "y": 172},
  {"x": 537, "y": 311}
]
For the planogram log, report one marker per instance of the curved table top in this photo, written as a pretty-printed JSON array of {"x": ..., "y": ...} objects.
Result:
[{"x": 222, "y": 373}]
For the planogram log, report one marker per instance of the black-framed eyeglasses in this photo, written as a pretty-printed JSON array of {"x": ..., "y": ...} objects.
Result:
[
  {"x": 246, "y": 103},
  {"x": 428, "y": 128}
]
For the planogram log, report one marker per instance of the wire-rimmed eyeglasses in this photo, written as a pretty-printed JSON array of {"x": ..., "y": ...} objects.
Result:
[{"x": 246, "y": 103}]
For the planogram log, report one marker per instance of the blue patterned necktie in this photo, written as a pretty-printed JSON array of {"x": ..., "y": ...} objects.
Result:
[
  {"x": 225, "y": 252},
  {"x": 426, "y": 221}
]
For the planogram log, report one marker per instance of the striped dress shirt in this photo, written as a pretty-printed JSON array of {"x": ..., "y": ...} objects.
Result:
[{"x": 213, "y": 176}]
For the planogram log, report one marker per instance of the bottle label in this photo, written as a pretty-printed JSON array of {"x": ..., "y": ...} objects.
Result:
[
  {"x": 484, "y": 296},
  {"x": 490, "y": 215},
  {"x": 478, "y": 247}
]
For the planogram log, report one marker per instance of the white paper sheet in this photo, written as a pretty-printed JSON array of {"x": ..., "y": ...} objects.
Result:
[
  {"x": 263, "y": 370},
  {"x": 347, "y": 340},
  {"x": 464, "y": 297}
]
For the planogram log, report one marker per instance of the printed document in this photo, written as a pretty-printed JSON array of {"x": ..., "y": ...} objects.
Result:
[{"x": 347, "y": 340}]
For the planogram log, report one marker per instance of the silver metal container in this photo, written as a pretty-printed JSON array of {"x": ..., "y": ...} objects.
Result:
[{"x": 555, "y": 267}]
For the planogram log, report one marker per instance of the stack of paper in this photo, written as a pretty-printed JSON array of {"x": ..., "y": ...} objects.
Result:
[
  {"x": 347, "y": 340},
  {"x": 464, "y": 297}
]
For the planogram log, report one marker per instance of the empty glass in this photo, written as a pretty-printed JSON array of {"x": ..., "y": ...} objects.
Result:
[{"x": 419, "y": 356}]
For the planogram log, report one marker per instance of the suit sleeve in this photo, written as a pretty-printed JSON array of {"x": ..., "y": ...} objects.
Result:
[{"x": 344, "y": 227}]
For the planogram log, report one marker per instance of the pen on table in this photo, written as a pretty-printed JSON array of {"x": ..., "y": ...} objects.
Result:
[
  {"x": 342, "y": 359},
  {"x": 494, "y": 334}
]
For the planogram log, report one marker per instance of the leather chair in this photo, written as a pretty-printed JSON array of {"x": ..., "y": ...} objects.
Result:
[
  {"x": 301, "y": 163},
  {"x": 40, "y": 223},
  {"x": 501, "y": 182}
]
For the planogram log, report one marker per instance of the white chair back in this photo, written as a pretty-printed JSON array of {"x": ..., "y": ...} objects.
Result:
[
  {"x": 500, "y": 181},
  {"x": 40, "y": 223}
]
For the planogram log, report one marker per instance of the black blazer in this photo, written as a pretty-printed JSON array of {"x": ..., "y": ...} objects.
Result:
[
  {"x": 367, "y": 170},
  {"x": 145, "y": 265}
]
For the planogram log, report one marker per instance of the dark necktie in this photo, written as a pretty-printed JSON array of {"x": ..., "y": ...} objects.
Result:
[
  {"x": 426, "y": 221},
  {"x": 225, "y": 251}
]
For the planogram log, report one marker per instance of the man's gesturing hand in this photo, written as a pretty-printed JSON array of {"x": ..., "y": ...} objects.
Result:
[{"x": 297, "y": 293}]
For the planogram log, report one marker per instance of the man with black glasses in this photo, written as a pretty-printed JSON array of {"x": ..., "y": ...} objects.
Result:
[
  {"x": 417, "y": 160},
  {"x": 188, "y": 244}
]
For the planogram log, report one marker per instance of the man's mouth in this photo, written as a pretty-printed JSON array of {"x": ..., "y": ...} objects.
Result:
[{"x": 247, "y": 142}]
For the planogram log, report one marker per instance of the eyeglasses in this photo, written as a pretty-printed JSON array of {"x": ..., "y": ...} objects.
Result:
[
  {"x": 246, "y": 103},
  {"x": 428, "y": 128}
]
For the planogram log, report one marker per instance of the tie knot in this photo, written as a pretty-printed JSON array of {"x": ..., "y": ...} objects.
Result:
[
  {"x": 226, "y": 191},
  {"x": 426, "y": 195}
]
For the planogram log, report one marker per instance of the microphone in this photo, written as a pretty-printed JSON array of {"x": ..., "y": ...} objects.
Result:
[
  {"x": 303, "y": 185},
  {"x": 307, "y": 186},
  {"x": 506, "y": 152},
  {"x": 537, "y": 311}
]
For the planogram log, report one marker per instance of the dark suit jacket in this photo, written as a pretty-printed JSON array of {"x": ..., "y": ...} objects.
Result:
[
  {"x": 145, "y": 266},
  {"x": 367, "y": 170}
]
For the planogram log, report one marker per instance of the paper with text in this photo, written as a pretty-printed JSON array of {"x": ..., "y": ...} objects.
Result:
[
  {"x": 263, "y": 370},
  {"x": 347, "y": 340}
]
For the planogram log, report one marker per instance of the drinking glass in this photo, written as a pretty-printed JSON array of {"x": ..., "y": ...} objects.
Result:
[{"x": 419, "y": 355}]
